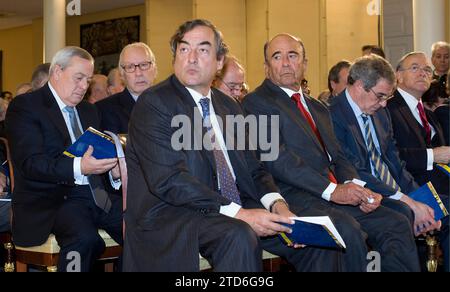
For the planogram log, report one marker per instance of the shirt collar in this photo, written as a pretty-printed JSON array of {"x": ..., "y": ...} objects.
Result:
[
  {"x": 291, "y": 92},
  {"x": 61, "y": 104},
  {"x": 198, "y": 96},
  {"x": 356, "y": 110},
  {"x": 409, "y": 99}
]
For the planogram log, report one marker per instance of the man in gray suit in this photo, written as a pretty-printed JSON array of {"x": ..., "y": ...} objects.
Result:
[{"x": 311, "y": 160}]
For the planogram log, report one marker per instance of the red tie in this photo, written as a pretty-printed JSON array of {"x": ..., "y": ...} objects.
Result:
[
  {"x": 297, "y": 98},
  {"x": 425, "y": 123}
]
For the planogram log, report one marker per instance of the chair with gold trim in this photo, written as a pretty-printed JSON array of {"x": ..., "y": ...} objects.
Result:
[
  {"x": 47, "y": 254},
  {"x": 5, "y": 237}
]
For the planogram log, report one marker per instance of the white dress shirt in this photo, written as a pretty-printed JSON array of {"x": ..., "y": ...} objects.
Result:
[
  {"x": 412, "y": 104},
  {"x": 358, "y": 114},
  {"x": 326, "y": 195},
  {"x": 232, "y": 209},
  {"x": 80, "y": 179}
]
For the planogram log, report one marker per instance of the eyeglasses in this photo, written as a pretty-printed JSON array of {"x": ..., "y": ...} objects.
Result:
[
  {"x": 233, "y": 86},
  {"x": 131, "y": 68},
  {"x": 381, "y": 96},
  {"x": 415, "y": 68}
]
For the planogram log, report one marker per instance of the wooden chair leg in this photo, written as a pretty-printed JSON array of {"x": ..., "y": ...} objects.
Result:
[
  {"x": 109, "y": 267},
  {"x": 9, "y": 264},
  {"x": 21, "y": 267}
]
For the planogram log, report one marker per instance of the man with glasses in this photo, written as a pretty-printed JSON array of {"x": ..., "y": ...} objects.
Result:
[
  {"x": 364, "y": 130},
  {"x": 311, "y": 169},
  {"x": 418, "y": 135},
  {"x": 230, "y": 80},
  {"x": 137, "y": 66}
]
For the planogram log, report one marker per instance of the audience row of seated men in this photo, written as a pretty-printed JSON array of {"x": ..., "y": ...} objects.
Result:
[{"x": 224, "y": 203}]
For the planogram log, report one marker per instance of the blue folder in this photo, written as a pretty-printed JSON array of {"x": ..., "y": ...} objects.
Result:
[
  {"x": 103, "y": 145},
  {"x": 427, "y": 194},
  {"x": 313, "y": 231}
]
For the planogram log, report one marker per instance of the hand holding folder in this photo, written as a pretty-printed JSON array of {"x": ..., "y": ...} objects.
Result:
[
  {"x": 313, "y": 231},
  {"x": 103, "y": 145}
]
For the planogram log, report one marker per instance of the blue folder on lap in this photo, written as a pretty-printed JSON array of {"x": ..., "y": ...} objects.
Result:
[
  {"x": 313, "y": 231},
  {"x": 103, "y": 145}
]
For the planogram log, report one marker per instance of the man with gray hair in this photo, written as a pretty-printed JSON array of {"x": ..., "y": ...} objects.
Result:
[
  {"x": 417, "y": 132},
  {"x": 312, "y": 170},
  {"x": 364, "y": 130},
  {"x": 55, "y": 193},
  {"x": 440, "y": 54},
  {"x": 137, "y": 66}
]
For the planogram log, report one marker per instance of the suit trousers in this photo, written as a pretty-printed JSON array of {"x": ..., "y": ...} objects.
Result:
[
  {"x": 5, "y": 216},
  {"x": 317, "y": 259},
  {"x": 76, "y": 229},
  {"x": 385, "y": 231},
  {"x": 229, "y": 245}
]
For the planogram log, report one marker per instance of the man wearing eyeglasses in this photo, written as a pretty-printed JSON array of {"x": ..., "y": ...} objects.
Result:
[
  {"x": 311, "y": 161},
  {"x": 363, "y": 128},
  {"x": 230, "y": 80},
  {"x": 417, "y": 132},
  {"x": 137, "y": 66}
]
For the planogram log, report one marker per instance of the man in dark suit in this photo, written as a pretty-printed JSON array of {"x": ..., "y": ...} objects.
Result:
[
  {"x": 183, "y": 199},
  {"x": 137, "y": 66},
  {"x": 418, "y": 135},
  {"x": 364, "y": 130},
  {"x": 311, "y": 160},
  {"x": 53, "y": 192}
]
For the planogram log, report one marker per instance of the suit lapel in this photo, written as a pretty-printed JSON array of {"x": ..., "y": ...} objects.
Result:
[
  {"x": 289, "y": 108},
  {"x": 192, "y": 109},
  {"x": 127, "y": 103},
  {"x": 222, "y": 111},
  {"x": 315, "y": 113},
  {"x": 352, "y": 121},
  {"x": 409, "y": 117},
  {"x": 55, "y": 115},
  {"x": 85, "y": 119}
]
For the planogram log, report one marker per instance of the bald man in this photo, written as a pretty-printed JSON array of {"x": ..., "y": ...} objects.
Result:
[
  {"x": 137, "y": 67},
  {"x": 311, "y": 169}
]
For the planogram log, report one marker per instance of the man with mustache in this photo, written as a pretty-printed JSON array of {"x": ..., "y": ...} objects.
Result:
[{"x": 137, "y": 65}]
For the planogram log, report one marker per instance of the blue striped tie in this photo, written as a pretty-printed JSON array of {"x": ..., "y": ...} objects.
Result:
[
  {"x": 381, "y": 169},
  {"x": 227, "y": 184}
]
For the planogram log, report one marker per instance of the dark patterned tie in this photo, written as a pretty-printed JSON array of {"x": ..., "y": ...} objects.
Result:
[
  {"x": 297, "y": 98},
  {"x": 381, "y": 168},
  {"x": 99, "y": 194},
  {"x": 227, "y": 184}
]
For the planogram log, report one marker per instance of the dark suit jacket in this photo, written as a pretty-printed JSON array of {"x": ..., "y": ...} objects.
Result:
[
  {"x": 353, "y": 144},
  {"x": 38, "y": 136},
  {"x": 169, "y": 190},
  {"x": 115, "y": 112},
  {"x": 443, "y": 115},
  {"x": 302, "y": 164},
  {"x": 411, "y": 142}
]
